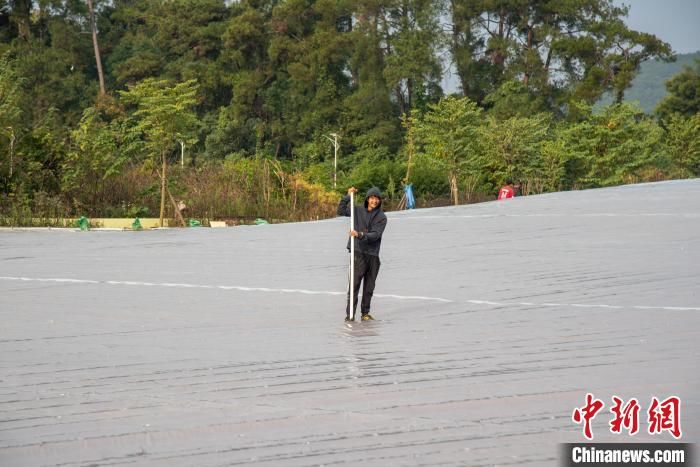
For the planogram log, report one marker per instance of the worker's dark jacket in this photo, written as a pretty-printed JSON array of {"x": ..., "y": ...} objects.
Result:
[{"x": 370, "y": 224}]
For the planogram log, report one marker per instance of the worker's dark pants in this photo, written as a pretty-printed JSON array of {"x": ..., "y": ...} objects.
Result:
[{"x": 366, "y": 270}]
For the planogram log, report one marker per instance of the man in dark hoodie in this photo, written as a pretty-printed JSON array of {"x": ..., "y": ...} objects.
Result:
[{"x": 370, "y": 222}]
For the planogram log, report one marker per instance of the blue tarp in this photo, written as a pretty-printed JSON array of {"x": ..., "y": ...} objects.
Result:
[{"x": 410, "y": 200}]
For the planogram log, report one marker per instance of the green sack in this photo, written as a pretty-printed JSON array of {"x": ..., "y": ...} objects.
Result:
[
  {"x": 260, "y": 221},
  {"x": 83, "y": 223},
  {"x": 136, "y": 225},
  {"x": 194, "y": 223}
]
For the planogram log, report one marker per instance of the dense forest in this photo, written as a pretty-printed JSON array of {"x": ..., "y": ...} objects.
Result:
[{"x": 244, "y": 109}]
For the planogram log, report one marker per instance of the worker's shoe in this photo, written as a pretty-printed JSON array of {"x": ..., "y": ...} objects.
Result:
[
  {"x": 367, "y": 317},
  {"x": 348, "y": 320}
]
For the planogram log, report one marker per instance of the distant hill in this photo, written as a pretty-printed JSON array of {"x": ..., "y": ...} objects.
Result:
[{"x": 648, "y": 87}]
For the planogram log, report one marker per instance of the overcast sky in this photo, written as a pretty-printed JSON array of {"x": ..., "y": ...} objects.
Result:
[{"x": 673, "y": 21}]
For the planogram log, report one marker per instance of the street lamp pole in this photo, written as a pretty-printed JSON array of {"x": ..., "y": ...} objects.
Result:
[{"x": 335, "y": 155}]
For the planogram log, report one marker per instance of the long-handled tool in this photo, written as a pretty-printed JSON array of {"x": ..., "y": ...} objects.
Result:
[{"x": 352, "y": 256}]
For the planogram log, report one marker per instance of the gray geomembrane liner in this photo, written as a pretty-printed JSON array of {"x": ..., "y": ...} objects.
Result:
[{"x": 214, "y": 347}]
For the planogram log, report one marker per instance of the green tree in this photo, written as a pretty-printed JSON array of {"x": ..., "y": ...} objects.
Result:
[
  {"x": 10, "y": 113},
  {"x": 368, "y": 112},
  {"x": 164, "y": 116},
  {"x": 551, "y": 169},
  {"x": 53, "y": 64},
  {"x": 20, "y": 12},
  {"x": 512, "y": 99},
  {"x": 449, "y": 133},
  {"x": 369, "y": 117},
  {"x": 310, "y": 54},
  {"x": 683, "y": 96},
  {"x": 466, "y": 44},
  {"x": 618, "y": 145},
  {"x": 412, "y": 37},
  {"x": 514, "y": 148},
  {"x": 177, "y": 40},
  {"x": 98, "y": 153},
  {"x": 245, "y": 41},
  {"x": 683, "y": 143},
  {"x": 560, "y": 49}
]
